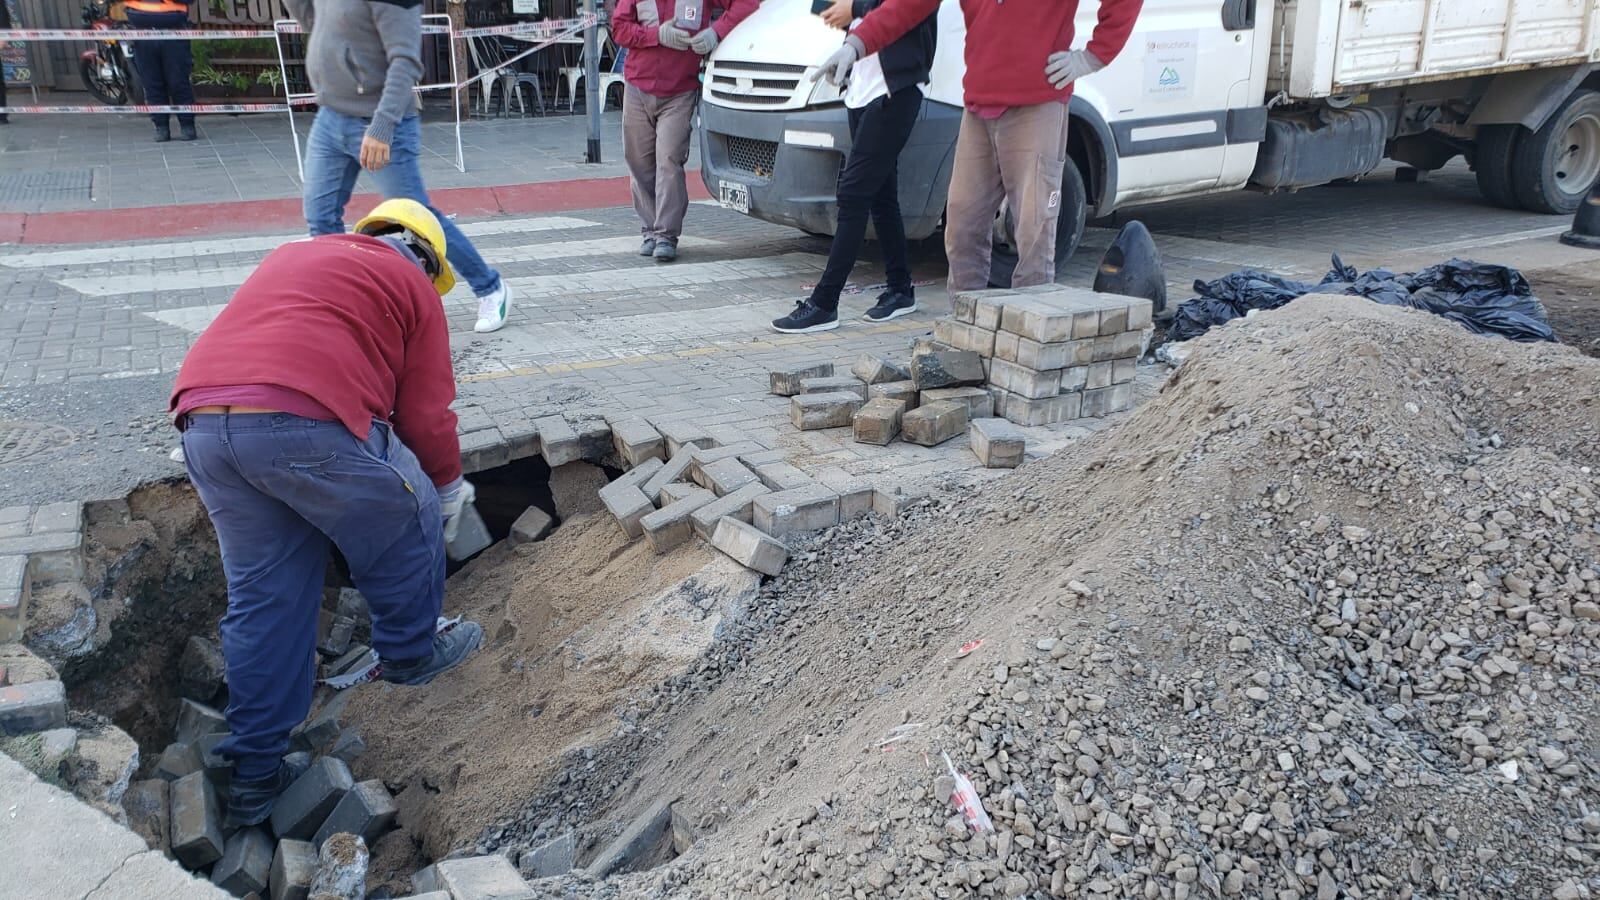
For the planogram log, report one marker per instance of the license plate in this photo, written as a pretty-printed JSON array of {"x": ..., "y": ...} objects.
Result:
[{"x": 735, "y": 197}]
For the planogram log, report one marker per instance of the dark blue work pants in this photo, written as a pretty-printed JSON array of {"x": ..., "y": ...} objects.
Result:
[
  {"x": 164, "y": 67},
  {"x": 278, "y": 488}
]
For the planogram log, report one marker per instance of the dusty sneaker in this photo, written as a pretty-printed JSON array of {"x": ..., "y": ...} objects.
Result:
[
  {"x": 647, "y": 247},
  {"x": 493, "y": 309},
  {"x": 251, "y": 802},
  {"x": 891, "y": 305},
  {"x": 806, "y": 319},
  {"x": 666, "y": 251},
  {"x": 450, "y": 649}
]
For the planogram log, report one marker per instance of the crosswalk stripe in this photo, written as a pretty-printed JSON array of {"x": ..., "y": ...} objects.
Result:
[
  {"x": 133, "y": 253},
  {"x": 661, "y": 277}
]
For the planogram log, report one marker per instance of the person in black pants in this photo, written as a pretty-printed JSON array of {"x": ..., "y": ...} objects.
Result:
[
  {"x": 5, "y": 23},
  {"x": 883, "y": 96},
  {"x": 164, "y": 66}
]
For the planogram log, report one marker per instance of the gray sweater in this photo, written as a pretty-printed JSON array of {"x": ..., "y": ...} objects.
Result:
[{"x": 363, "y": 57}]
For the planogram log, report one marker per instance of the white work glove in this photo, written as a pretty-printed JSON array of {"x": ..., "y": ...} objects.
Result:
[
  {"x": 453, "y": 498},
  {"x": 836, "y": 68},
  {"x": 646, "y": 12},
  {"x": 1063, "y": 68},
  {"x": 672, "y": 37},
  {"x": 704, "y": 42}
]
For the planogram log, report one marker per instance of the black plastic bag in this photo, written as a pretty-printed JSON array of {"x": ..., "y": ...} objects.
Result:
[{"x": 1485, "y": 299}]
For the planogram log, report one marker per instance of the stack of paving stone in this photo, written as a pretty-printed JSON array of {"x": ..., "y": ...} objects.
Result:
[{"x": 1052, "y": 353}]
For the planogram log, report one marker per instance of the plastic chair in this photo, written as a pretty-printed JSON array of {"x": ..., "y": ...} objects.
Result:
[
  {"x": 572, "y": 76},
  {"x": 489, "y": 54}
]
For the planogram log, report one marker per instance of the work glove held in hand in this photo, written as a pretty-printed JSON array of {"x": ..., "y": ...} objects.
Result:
[
  {"x": 646, "y": 14},
  {"x": 704, "y": 42},
  {"x": 1063, "y": 68},
  {"x": 672, "y": 37},
  {"x": 837, "y": 67},
  {"x": 453, "y": 498}
]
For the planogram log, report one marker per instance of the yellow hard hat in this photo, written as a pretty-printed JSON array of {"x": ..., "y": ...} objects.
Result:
[{"x": 415, "y": 218}]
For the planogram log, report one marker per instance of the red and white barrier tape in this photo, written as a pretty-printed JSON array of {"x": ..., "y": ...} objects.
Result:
[
  {"x": 151, "y": 108},
  {"x": 20, "y": 35}
]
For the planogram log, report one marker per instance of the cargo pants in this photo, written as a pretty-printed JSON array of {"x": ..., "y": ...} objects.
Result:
[
  {"x": 655, "y": 142},
  {"x": 1018, "y": 158}
]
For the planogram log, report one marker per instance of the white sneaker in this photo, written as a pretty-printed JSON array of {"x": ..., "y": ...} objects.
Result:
[{"x": 493, "y": 309}]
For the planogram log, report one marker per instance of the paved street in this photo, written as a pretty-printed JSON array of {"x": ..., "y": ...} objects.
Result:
[{"x": 91, "y": 334}]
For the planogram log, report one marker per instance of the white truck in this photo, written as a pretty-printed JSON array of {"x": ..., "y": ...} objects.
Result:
[{"x": 1208, "y": 96}]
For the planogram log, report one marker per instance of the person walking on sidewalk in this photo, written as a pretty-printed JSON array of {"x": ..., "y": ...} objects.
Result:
[
  {"x": 662, "y": 84},
  {"x": 163, "y": 67},
  {"x": 316, "y": 410},
  {"x": 5, "y": 24},
  {"x": 883, "y": 96},
  {"x": 363, "y": 58},
  {"x": 1013, "y": 141}
]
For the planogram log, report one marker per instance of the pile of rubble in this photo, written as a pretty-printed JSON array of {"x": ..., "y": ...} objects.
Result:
[{"x": 1322, "y": 619}]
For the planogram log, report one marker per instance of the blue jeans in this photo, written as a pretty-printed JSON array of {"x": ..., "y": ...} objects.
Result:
[
  {"x": 333, "y": 159},
  {"x": 278, "y": 489}
]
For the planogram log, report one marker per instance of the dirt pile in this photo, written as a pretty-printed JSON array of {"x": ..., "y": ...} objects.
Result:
[
  {"x": 1322, "y": 619},
  {"x": 575, "y": 626}
]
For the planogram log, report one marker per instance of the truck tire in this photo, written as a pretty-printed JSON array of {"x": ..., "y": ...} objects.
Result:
[
  {"x": 1554, "y": 167},
  {"x": 1069, "y": 229},
  {"x": 1497, "y": 146}
]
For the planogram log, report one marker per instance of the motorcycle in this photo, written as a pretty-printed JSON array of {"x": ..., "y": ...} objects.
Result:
[{"x": 107, "y": 70}]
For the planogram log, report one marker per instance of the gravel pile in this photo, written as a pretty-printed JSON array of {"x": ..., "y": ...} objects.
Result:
[{"x": 1321, "y": 620}]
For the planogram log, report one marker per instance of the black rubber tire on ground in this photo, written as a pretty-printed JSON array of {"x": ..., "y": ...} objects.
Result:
[
  {"x": 1554, "y": 167},
  {"x": 106, "y": 92},
  {"x": 1497, "y": 145},
  {"x": 1069, "y": 229}
]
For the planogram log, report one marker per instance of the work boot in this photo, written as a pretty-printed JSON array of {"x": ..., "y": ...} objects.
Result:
[
  {"x": 186, "y": 132},
  {"x": 163, "y": 133},
  {"x": 665, "y": 251},
  {"x": 251, "y": 802},
  {"x": 647, "y": 247},
  {"x": 450, "y": 649}
]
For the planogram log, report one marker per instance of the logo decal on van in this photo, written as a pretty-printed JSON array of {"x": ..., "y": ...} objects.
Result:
[
  {"x": 1169, "y": 76},
  {"x": 1055, "y": 200}
]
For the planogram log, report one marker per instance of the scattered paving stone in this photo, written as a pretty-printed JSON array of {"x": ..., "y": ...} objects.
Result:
[
  {"x": 35, "y": 706},
  {"x": 294, "y": 865},
  {"x": 738, "y": 505},
  {"x": 352, "y": 605},
  {"x": 979, "y": 401},
  {"x": 681, "y": 433},
  {"x": 196, "y": 812},
  {"x": 246, "y": 862},
  {"x": 725, "y": 476},
  {"x": 750, "y": 546},
  {"x": 895, "y": 390},
  {"x": 149, "y": 813},
  {"x": 201, "y": 669},
  {"x": 786, "y": 382},
  {"x": 671, "y": 526},
  {"x": 366, "y": 811},
  {"x": 834, "y": 409},
  {"x": 781, "y": 476},
  {"x": 558, "y": 441},
  {"x": 628, "y": 505},
  {"x": 474, "y": 878},
  {"x": 177, "y": 761},
  {"x": 947, "y": 369},
  {"x": 640, "y": 838},
  {"x": 871, "y": 369},
  {"x": 550, "y": 859},
  {"x": 304, "y": 805},
  {"x": 997, "y": 443},
  {"x": 636, "y": 441},
  {"x": 962, "y": 336},
  {"x": 934, "y": 423},
  {"x": 796, "y": 511},
  {"x": 336, "y": 640},
  {"x": 196, "y": 720},
  {"x": 533, "y": 525},
  {"x": 878, "y": 422}
]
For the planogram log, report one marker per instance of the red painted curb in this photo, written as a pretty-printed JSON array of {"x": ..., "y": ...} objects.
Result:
[{"x": 257, "y": 216}]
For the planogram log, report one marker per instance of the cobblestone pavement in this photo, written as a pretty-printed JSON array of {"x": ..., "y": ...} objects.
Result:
[{"x": 91, "y": 336}]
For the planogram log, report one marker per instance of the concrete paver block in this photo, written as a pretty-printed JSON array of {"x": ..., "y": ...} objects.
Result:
[
  {"x": 15, "y": 589},
  {"x": 594, "y": 437},
  {"x": 178, "y": 760},
  {"x": 739, "y": 504},
  {"x": 638, "y": 475},
  {"x": 293, "y": 866},
  {"x": 1140, "y": 313},
  {"x": 637, "y": 839},
  {"x": 997, "y": 443},
  {"x": 474, "y": 878},
  {"x": 196, "y": 720},
  {"x": 873, "y": 369},
  {"x": 891, "y": 501},
  {"x": 1099, "y": 376},
  {"x": 1049, "y": 411},
  {"x": 147, "y": 804},
  {"x": 979, "y": 402},
  {"x": 303, "y": 807},
  {"x": 674, "y": 470},
  {"x": 550, "y": 859},
  {"x": 558, "y": 441},
  {"x": 1051, "y": 318},
  {"x": 680, "y": 433},
  {"x": 1113, "y": 318},
  {"x": 796, "y": 511},
  {"x": 835, "y": 384},
  {"x": 855, "y": 494},
  {"x": 26, "y": 708},
  {"x": 533, "y": 525},
  {"x": 725, "y": 476},
  {"x": 1123, "y": 370},
  {"x": 1074, "y": 379},
  {"x": 636, "y": 441},
  {"x": 833, "y": 409},
  {"x": 785, "y": 382},
  {"x": 58, "y": 517},
  {"x": 246, "y": 862},
  {"x": 53, "y": 558},
  {"x": 704, "y": 456},
  {"x": 750, "y": 546},
  {"x": 947, "y": 368},
  {"x": 335, "y": 639},
  {"x": 670, "y": 525},
  {"x": 895, "y": 390},
  {"x": 980, "y": 308},
  {"x": 1034, "y": 355},
  {"x": 201, "y": 669},
  {"x": 964, "y": 337},
  {"x": 932, "y": 424},
  {"x": 1027, "y": 382},
  {"x": 781, "y": 476},
  {"x": 676, "y": 491},
  {"x": 878, "y": 422},
  {"x": 1127, "y": 344},
  {"x": 366, "y": 811},
  {"x": 627, "y": 504},
  {"x": 1100, "y": 402},
  {"x": 196, "y": 811}
]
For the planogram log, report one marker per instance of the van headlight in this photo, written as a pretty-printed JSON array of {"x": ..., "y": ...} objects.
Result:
[{"x": 822, "y": 91}]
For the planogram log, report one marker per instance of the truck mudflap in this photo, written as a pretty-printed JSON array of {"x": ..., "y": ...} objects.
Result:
[{"x": 784, "y": 167}]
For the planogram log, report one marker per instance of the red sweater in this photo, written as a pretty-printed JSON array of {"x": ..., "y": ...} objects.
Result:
[
  {"x": 1008, "y": 42},
  {"x": 350, "y": 323},
  {"x": 661, "y": 71}
]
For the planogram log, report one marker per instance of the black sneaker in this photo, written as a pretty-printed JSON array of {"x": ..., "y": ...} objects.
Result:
[
  {"x": 251, "y": 802},
  {"x": 187, "y": 132},
  {"x": 163, "y": 133},
  {"x": 891, "y": 305},
  {"x": 806, "y": 319},
  {"x": 450, "y": 649}
]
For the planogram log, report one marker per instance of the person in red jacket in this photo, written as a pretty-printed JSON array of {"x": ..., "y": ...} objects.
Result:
[
  {"x": 316, "y": 410},
  {"x": 662, "y": 75},
  {"x": 1013, "y": 142}
]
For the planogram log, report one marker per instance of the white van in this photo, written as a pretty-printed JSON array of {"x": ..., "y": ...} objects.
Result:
[{"x": 1209, "y": 95}]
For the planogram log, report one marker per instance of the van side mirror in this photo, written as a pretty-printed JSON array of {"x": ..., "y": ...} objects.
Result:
[{"x": 1238, "y": 15}]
